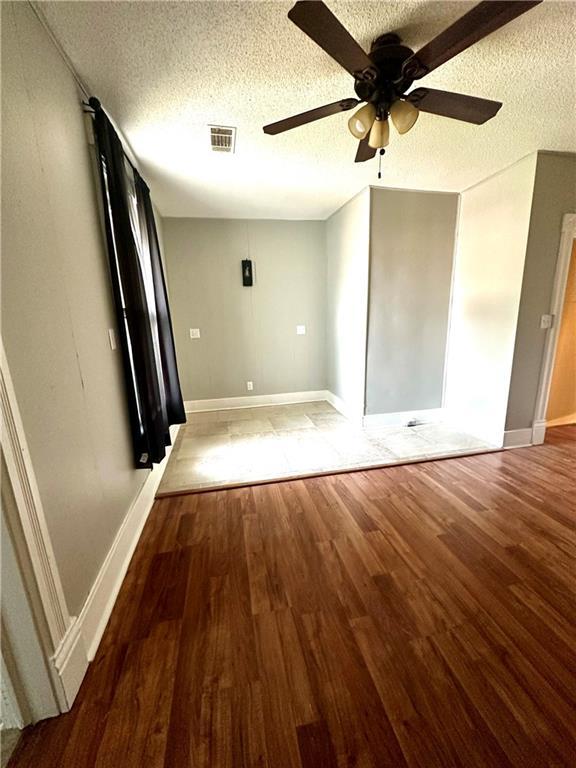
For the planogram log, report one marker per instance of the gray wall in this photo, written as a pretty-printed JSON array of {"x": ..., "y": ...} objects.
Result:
[
  {"x": 347, "y": 243},
  {"x": 554, "y": 195},
  {"x": 247, "y": 334},
  {"x": 411, "y": 255},
  {"x": 57, "y": 307}
]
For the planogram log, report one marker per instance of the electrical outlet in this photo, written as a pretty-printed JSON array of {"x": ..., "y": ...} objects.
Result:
[
  {"x": 546, "y": 321},
  {"x": 249, "y": 386},
  {"x": 300, "y": 330},
  {"x": 194, "y": 333}
]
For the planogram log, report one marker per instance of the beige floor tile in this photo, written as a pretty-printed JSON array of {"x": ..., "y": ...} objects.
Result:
[
  {"x": 231, "y": 446},
  {"x": 254, "y": 425},
  {"x": 291, "y": 421},
  {"x": 319, "y": 406},
  {"x": 315, "y": 406},
  {"x": 406, "y": 446},
  {"x": 239, "y": 414},
  {"x": 207, "y": 446},
  {"x": 202, "y": 417},
  {"x": 209, "y": 428},
  {"x": 324, "y": 419}
]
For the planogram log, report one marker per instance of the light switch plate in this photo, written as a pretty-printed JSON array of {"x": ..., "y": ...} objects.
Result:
[
  {"x": 546, "y": 321},
  {"x": 300, "y": 330},
  {"x": 194, "y": 333}
]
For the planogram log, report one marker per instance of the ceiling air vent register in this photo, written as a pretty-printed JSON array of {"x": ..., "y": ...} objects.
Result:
[{"x": 222, "y": 138}]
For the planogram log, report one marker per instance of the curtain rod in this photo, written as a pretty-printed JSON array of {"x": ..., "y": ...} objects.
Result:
[
  {"x": 42, "y": 19},
  {"x": 128, "y": 151},
  {"x": 91, "y": 107}
]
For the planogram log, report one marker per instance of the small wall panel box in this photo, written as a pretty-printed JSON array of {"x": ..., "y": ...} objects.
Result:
[
  {"x": 194, "y": 333},
  {"x": 301, "y": 330},
  {"x": 247, "y": 277}
]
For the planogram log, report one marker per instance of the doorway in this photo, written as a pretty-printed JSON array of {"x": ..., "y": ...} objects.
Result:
[
  {"x": 562, "y": 401},
  {"x": 556, "y": 401}
]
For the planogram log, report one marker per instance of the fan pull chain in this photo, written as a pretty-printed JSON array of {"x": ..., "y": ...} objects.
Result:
[{"x": 380, "y": 163}]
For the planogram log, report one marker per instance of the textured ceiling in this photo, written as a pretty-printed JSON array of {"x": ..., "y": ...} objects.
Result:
[{"x": 166, "y": 70}]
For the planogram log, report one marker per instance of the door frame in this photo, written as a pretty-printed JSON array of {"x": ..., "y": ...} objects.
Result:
[
  {"x": 567, "y": 237},
  {"x": 59, "y": 633}
]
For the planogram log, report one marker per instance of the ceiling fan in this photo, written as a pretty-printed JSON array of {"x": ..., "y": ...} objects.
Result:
[{"x": 383, "y": 76}]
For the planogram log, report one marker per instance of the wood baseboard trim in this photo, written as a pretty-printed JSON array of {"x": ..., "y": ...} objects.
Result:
[{"x": 255, "y": 401}]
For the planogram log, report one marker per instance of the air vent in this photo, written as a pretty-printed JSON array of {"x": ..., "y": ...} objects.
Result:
[{"x": 222, "y": 138}]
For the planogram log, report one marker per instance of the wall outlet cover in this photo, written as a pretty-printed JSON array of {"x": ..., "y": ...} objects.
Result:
[
  {"x": 194, "y": 333},
  {"x": 249, "y": 386},
  {"x": 301, "y": 330}
]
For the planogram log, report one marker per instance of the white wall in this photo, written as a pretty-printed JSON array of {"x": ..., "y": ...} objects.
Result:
[
  {"x": 347, "y": 249},
  {"x": 57, "y": 307},
  {"x": 247, "y": 333},
  {"x": 491, "y": 250}
]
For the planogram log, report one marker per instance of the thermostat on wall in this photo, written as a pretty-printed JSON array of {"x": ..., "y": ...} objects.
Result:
[{"x": 247, "y": 276}]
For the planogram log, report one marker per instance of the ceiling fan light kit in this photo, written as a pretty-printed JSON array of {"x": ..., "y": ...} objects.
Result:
[
  {"x": 379, "y": 134},
  {"x": 383, "y": 77},
  {"x": 404, "y": 115},
  {"x": 361, "y": 121}
]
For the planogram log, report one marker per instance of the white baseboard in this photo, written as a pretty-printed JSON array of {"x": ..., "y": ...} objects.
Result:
[
  {"x": 517, "y": 438},
  {"x": 251, "y": 401},
  {"x": 401, "y": 418},
  {"x": 100, "y": 601},
  {"x": 354, "y": 414},
  {"x": 71, "y": 662},
  {"x": 81, "y": 641},
  {"x": 538, "y": 432}
]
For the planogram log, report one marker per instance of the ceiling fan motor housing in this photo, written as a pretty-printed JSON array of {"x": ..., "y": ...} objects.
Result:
[{"x": 386, "y": 83}]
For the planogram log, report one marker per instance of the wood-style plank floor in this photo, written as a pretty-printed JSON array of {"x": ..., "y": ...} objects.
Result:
[{"x": 408, "y": 616}]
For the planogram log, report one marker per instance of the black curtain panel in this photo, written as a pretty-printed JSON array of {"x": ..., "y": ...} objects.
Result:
[{"x": 147, "y": 342}]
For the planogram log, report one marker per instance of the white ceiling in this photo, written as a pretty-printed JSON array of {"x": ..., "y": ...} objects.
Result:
[{"x": 165, "y": 70}]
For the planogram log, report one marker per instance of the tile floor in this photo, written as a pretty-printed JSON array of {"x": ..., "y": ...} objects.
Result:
[{"x": 246, "y": 445}]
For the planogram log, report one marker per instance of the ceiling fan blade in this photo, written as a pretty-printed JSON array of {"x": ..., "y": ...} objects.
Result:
[
  {"x": 364, "y": 151},
  {"x": 455, "y": 105},
  {"x": 318, "y": 22},
  {"x": 480, "y": 21},
  {"x": 310, "y": 116}
]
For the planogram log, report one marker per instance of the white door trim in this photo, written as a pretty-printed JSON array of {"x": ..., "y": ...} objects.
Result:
[
  {"x": 31, "y": 512},
  {"x": 558, "y": 293},
  {"x": 66, "y": 670},
  {"x": 69, "y": 643}
]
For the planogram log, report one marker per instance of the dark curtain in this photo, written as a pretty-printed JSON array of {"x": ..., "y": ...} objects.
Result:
[{"x": 147, "y": 342}]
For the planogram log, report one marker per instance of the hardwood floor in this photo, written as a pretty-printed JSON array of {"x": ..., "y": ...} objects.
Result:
[{"x": 419, "y": 615}]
